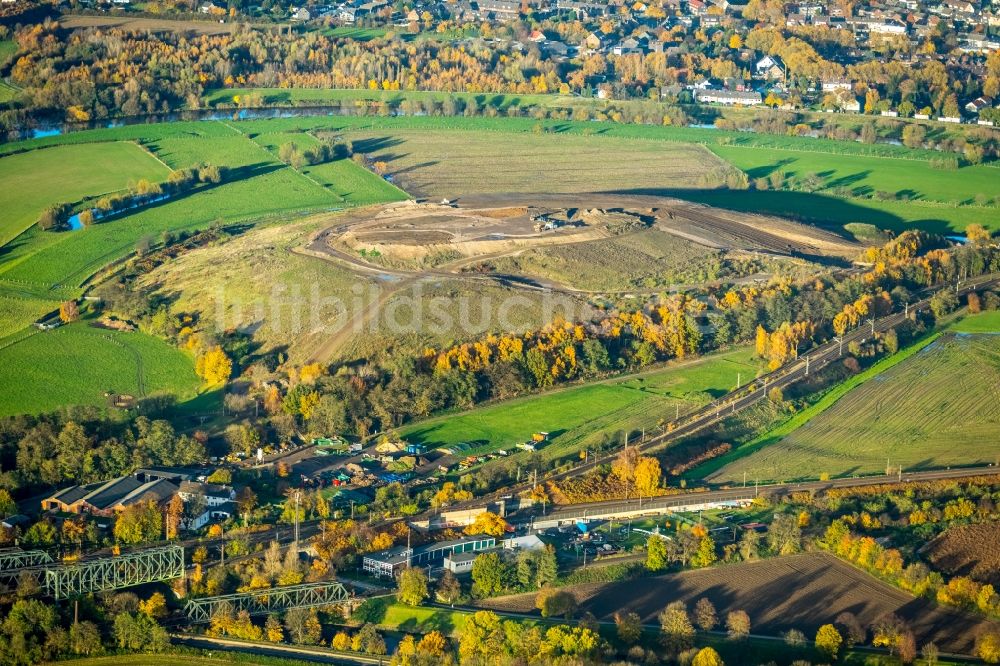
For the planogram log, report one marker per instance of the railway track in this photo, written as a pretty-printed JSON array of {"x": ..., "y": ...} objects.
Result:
[{"x": 749, "y": 394}]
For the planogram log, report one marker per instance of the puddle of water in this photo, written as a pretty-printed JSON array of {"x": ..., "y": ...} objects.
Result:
[{"x": 74, "y": 220}]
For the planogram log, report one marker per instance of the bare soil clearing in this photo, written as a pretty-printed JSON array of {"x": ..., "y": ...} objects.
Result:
[
  {"x": 801, "y": 591},
  {"x": 969, "y": 550}
]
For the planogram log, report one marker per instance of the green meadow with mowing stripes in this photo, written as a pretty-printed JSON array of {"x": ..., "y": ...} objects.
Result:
[
  {"x": 78, "y": 363},
  {"x": 931, "y": 405}
]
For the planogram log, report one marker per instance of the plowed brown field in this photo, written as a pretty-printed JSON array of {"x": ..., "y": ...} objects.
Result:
[
  {"x": 970, "y": 550},
  {"x": 801, "y": 591}
]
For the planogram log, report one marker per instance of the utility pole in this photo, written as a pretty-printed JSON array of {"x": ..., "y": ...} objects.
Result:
[
  {"x": 872, "y": 322},
  {"x": 807, "y": 366},
  {"x": 840, "y": 341},
  {"x": 739, "y": 379},
  {"x": 297, "y": 494},
  {"x": 744, "y": 478}
]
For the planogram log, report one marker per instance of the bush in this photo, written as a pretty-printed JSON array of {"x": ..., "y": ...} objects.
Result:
[{"x": 54, "y": 217}]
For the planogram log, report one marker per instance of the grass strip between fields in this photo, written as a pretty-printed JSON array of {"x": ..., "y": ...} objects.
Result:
[{"x": 799, "y": 419}]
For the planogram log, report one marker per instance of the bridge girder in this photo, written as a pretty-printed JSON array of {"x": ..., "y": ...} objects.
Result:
[
  {"x": 262, "y": 602},
  {"x": 19, "y": 559},
  {"x": 112, "y": 573}
]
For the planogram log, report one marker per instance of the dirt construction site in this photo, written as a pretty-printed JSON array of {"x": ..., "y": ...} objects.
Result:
[
  {"x": 410, "y": 242},
  {"x": 428, "y": 234}
]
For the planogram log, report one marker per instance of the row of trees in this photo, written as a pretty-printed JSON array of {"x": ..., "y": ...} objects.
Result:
[
  {"x": 84, "y": 82},
  {"x": 55, "y": 217}
]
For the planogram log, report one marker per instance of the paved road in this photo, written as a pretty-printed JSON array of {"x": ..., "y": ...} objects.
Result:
[{"x": 755, "y": 391}]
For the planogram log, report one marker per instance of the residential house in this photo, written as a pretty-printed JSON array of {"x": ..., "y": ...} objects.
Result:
[
  {"x": 594, "y": 41},
  {"x": 888, "y": 27},
  {"x": 770, "y": 68},
  {"x": 583, "y": 10},
  {"x": 832, "y": 85},
  {"x": 978, "y": 104},
  {"x": 214, "y": 495},
  {"x": 977, "y": 43},
  {"x": 697, "y": 8},
  {"x": 960, "y": 6},
  {"x": 626, "y": 46}
]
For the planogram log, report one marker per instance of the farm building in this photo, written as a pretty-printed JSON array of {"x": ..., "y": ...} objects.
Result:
[
  {"x": 390, "y": 562},
  {"x": 159, "y": 484},
  {"x": 111, "y": 497}
]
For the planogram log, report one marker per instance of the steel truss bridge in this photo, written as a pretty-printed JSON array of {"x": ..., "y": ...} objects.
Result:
[
  {"x": 106, "y": 573},
  {"x": 262, "y": 602},
  {"x": 16, "y": 558}
]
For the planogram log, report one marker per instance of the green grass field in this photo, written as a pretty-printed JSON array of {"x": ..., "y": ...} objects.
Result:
[
  {"x": 984, "y": 322},
  {"x": 67, "y": 174},
  {"x": 7, "y": 92},
  {"x": 485, "y": 162},
  {"x": 14, "y": 310},
  {"x": 8, "y": 48},
  {"x": 279, "y": 96},
  {"x": 355, "y": 33},
  {"x": 928, "y": 406},
  {"x": 186, "y": 658},
  {"x": 579, "y": 417},
  {"x": 349, "y": 183},
  {"x": 77, "y": 364},
  {"x": 866, "y": 175}
]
